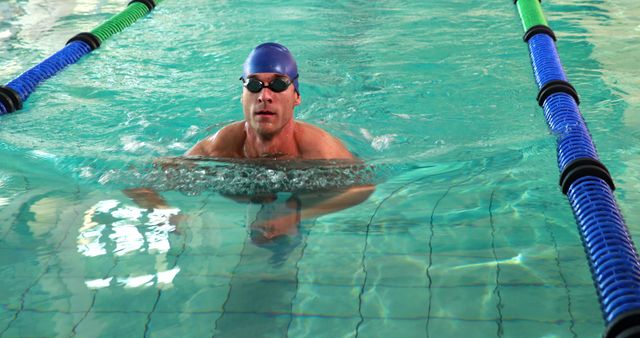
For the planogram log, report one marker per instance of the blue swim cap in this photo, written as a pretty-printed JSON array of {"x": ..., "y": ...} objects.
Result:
[{"x": 271, "y": 57}]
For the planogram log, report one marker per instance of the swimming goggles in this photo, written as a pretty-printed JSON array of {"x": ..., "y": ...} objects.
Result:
[{"x": 276, "y": 85}]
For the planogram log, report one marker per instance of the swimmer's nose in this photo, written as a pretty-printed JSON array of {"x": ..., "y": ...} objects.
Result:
[{"x": 265, "y": 96}]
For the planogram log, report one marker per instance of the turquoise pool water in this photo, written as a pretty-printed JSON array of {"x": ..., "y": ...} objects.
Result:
[{"x": 467, "y": 232}]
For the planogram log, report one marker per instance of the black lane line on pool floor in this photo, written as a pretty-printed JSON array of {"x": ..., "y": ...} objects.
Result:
[
  {"x": 295, "y": 295},
  {"x": 431, "y": 235},
  {"x": 159, "y": 294},
  {"x": 95, "y": 294},
  {"x": 366, "y": 242},
  {"x": 233, "y": 272},
  {"x": 549, "y": 228},
  {"x": 496, "y": 289},
  {"x": 46, "y": 263},
  {"x": 93, "y": 299},
  {"x": 27, "y": 188},
  {"x": 183, "y": 248},
  {"x": 16, "y": 218},
  {"x": 73, "y": 332}
]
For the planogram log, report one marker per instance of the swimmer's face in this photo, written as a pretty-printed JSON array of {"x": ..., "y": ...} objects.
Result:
[{"x": 266, "y": 111}]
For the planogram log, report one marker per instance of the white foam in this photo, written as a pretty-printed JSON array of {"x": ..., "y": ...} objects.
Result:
[
  {"x": 130, "y": 143},
  {"x": 383, "y": 142}
]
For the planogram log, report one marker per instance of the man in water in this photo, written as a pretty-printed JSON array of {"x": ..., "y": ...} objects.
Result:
[
  {"x": 269, "y": 131},
  {"x": 270, "y": 94}
]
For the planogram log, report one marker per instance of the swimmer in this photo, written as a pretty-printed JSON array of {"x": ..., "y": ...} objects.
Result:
[{"x": 270, "y": 93}]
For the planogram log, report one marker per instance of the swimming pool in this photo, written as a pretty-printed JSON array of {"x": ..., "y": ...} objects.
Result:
[{"x": 467, "y": 232}]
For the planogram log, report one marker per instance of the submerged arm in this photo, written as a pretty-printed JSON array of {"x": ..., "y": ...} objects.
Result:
[
  {"x": 316, "y": 205},
  {"x": 146, "y": 198},
  {"x": 305, "y": 206}
]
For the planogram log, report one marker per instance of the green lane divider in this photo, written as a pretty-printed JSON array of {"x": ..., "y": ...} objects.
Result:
[
  {"x": 533, "y": 20},
  {"x": 13, "y": 95},
  {"x": 120, "y": 21},
  {"x": 531, "y": 14}
]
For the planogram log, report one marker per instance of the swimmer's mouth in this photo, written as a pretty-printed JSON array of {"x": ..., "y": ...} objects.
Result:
[{"x": 265, "y": 112}]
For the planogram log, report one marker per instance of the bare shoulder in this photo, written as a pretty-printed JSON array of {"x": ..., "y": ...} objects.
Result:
[
  {"x": 227, "y": 142},
  {"x": 316, "y": 143}
]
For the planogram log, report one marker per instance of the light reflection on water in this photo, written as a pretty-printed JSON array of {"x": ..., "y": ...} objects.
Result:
[{"x": 129, "y": 231}]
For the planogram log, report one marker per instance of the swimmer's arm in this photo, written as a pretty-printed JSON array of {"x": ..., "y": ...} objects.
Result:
[
  {"x": 312, "y": 206},
  {"x": 214, "y": 146},
  {"x": 150, "y": 199},
  {"x": 316, "y": 143},
  {"x": 146, "y": 198},
  {"x": 316, "y": 205}
]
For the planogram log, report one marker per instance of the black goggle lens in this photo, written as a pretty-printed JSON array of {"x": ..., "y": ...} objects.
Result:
[{"x": 277, "y": 85}]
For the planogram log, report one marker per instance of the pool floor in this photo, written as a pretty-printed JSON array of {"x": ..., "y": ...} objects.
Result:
[{"x": 93, "y": 264}]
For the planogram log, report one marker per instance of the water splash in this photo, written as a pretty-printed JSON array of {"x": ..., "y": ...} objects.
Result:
[{"x": 193, "y": 176}]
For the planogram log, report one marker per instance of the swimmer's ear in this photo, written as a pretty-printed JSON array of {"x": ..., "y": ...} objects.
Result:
[{"x": 298, "y": 99}]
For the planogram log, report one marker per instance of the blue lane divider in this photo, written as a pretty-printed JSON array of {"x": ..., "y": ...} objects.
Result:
[
  {"x": 16, "y": 92},
  {"x": 26, "y": 83},
  {"x": 609, "y": 247},
  {"x": 614, "y": 261},
  {"x": 545, "y": 60}
]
